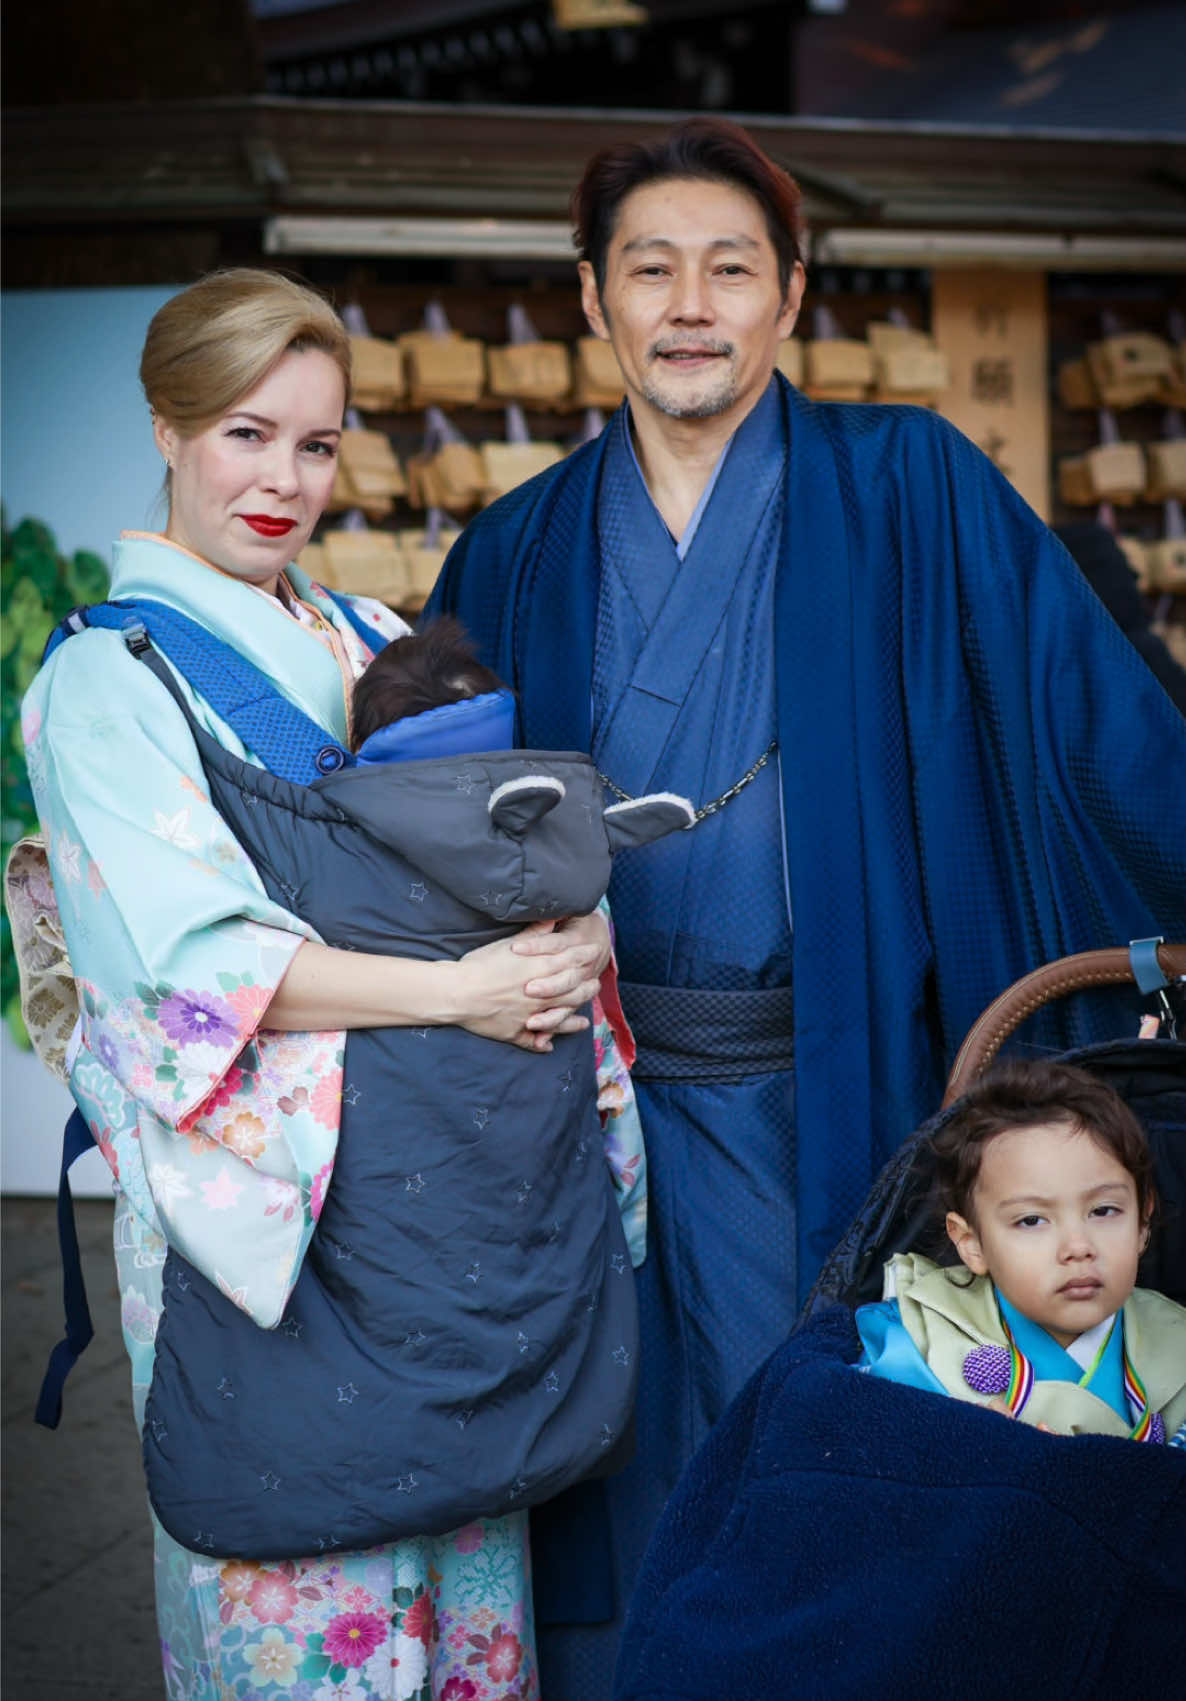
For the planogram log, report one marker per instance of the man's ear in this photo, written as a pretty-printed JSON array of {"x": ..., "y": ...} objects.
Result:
[
  {"x": 794, "y": 300},
  {"x": 967, "y": 1243},
  {"x": 591, "y": 301}
]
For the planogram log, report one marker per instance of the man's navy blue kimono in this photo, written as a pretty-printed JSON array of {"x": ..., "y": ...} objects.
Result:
[{"x": 976, "y": 774}]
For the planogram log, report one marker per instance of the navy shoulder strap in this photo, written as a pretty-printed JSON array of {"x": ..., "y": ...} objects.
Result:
[
  {"x": 286, "y": 740},
  {"x": 76, "y": 1140}
]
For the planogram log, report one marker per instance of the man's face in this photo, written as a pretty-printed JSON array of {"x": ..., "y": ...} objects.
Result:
[{"x": 691, "y": 302}]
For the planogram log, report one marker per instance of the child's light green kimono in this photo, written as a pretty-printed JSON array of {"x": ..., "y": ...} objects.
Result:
[
  {"x": 938, "y": 1321},
  {"x": 221, "y": 1134}
]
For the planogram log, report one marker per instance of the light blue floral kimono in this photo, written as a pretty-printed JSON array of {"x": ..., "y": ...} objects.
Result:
[{"x": 221, "y": 1134}]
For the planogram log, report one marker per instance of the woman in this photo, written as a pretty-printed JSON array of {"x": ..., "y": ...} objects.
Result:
[{"x": 210, "y": 1055}]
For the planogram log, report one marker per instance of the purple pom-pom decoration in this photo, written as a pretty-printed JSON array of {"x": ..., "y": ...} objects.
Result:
[
  {"x": 1157, "y": 1429},
  {"x": 987, "y": 1369}
]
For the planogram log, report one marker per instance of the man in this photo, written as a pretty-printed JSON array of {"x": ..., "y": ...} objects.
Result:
[{"x": 931, "y": 763}]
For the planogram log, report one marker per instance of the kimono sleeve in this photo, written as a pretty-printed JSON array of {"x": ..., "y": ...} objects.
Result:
[{"x": 177, "y": 951}]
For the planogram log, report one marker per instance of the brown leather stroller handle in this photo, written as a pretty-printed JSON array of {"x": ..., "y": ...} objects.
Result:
[{"x": 1111, "y": 967}]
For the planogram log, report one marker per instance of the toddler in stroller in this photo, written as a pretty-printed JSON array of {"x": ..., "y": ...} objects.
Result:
[
  {"x": 844, "y": 1535},
  {"x": 1045, "y": 1178}
]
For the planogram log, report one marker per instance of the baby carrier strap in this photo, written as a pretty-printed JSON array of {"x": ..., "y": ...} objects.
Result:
[
  {"x": 76, "y": 1140},
  {"x": 287, "y": 741}
]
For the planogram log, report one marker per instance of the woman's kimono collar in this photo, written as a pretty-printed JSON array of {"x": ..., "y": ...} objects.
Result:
[{"x": 258, "y": 626}]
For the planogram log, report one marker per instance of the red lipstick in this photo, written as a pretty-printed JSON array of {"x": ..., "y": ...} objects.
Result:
[{"x": 267, "y": 525}]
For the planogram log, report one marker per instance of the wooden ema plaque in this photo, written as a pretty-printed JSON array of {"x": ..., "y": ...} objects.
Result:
[{"x": 992, "y": 328}]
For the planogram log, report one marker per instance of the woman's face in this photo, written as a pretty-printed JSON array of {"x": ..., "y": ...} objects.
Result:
[{"x": 247, "y": 491}]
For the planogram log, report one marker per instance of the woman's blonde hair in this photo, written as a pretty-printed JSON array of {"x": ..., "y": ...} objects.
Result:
[{"x": 211, "y": 345}]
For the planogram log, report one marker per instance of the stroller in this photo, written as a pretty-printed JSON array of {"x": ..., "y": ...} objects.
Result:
[{"x": 840, "y": 1536}]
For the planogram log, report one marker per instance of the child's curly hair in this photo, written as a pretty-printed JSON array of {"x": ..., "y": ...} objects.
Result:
[{"x": 1023, "y": 1094}]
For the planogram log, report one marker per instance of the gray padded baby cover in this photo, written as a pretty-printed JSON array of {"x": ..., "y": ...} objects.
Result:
[{"x": 463, "y": 1337}]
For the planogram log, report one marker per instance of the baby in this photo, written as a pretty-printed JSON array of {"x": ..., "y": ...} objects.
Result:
[
  {"x": 428, "y": 695},
  {"x": 1046, "y": 1181}
]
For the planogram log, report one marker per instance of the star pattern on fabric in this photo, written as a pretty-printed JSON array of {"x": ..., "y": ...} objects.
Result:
[
  {"x": 582, "y": 1150},
  {"x": 552, "y": 1382},
  {"x": 293, "y": 1328},
  {"x": 553, "y": 1232},
  {"x": 481, "y": 1116},
  {"x": 522, "y": 1341},
  {"x": 566, "y": 1080},
  {"x": 406, "y": 1485},
  {"x": 418, "y": 891},
  {"x": 350, "y": 1095},
  {"x": 420, "y": 1033},
  {"x": 205, "y": 1540},
  {"x": 225, "y": 1389},
  {"x": 326, "y": 1544},
  {"x": 343, "y": 1251},
  {"x": 618, "y": 1263},
  {"x": 415, "y": 1183},
  {"x": 270, "y": 1481},
  {"x": 465, "y": 783},
  {"x": 607, "y": 1435},
  {"x": 621, "y": 1356},
  {"x": 157, "y": 1426},
  {"x": 347, "y": 1395},
  {"x": 463, "y": 1418},
  {"x": 416, "y": 1339},
  {"x": 490, "y": 900},
  {"x": 181, "y": 1280},
  {"x": 594, "y": 1301},
  {"x": 517, "y": 1488},
  {"x": 474, "y": 1273},
  {"x": 522, "y": 1193}
]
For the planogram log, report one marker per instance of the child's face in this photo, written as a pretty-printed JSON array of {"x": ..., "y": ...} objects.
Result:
[{"x": 1056, "y": 1226}]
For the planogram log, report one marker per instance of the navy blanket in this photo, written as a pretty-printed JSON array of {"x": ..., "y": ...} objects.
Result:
[{"x": 844, "y": 1537}]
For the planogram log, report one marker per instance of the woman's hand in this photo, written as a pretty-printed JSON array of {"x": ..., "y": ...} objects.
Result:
[
  {"x": 491, "y": 991},
  {"x": 566, "y": 962},
  {"x": 585, "y": 942}
]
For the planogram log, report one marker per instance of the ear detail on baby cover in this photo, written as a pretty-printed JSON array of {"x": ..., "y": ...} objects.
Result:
[
  {"x": 643, "y": 819},
  {"x": 518, "y": 804}
]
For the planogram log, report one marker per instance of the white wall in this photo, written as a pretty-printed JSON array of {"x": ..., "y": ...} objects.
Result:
[{"x": 77, "y": 452}]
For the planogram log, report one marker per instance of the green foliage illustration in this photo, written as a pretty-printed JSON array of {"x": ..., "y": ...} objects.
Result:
[{"x": 38, "y": 587}]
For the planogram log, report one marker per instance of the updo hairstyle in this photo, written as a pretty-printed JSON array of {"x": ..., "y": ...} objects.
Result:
[{"x": 210, "y": 346}]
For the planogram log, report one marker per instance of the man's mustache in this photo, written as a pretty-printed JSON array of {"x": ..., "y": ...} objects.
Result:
[{"x": 701, "y": 345}]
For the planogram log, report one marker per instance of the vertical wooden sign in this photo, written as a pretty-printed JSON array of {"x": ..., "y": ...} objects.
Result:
[{"x": 991, "y": 325}]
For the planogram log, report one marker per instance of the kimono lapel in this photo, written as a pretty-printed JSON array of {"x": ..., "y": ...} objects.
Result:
[
  {"x": 816, "y": 650},
  {"x": 681, "y": 604},
  {"x": 553, "y": 595}
]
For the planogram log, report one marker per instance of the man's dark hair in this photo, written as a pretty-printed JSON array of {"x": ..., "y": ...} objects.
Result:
[
  {"x": 711, "y": 150},
  {"x": 423, "y": 671},
  {"x": 1023, "y": 1094}
]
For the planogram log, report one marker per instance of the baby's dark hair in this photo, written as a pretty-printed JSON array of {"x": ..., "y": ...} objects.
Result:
[
  {"x": 423, "y": 671},
  {"x": 1023, "y": 1094}
]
